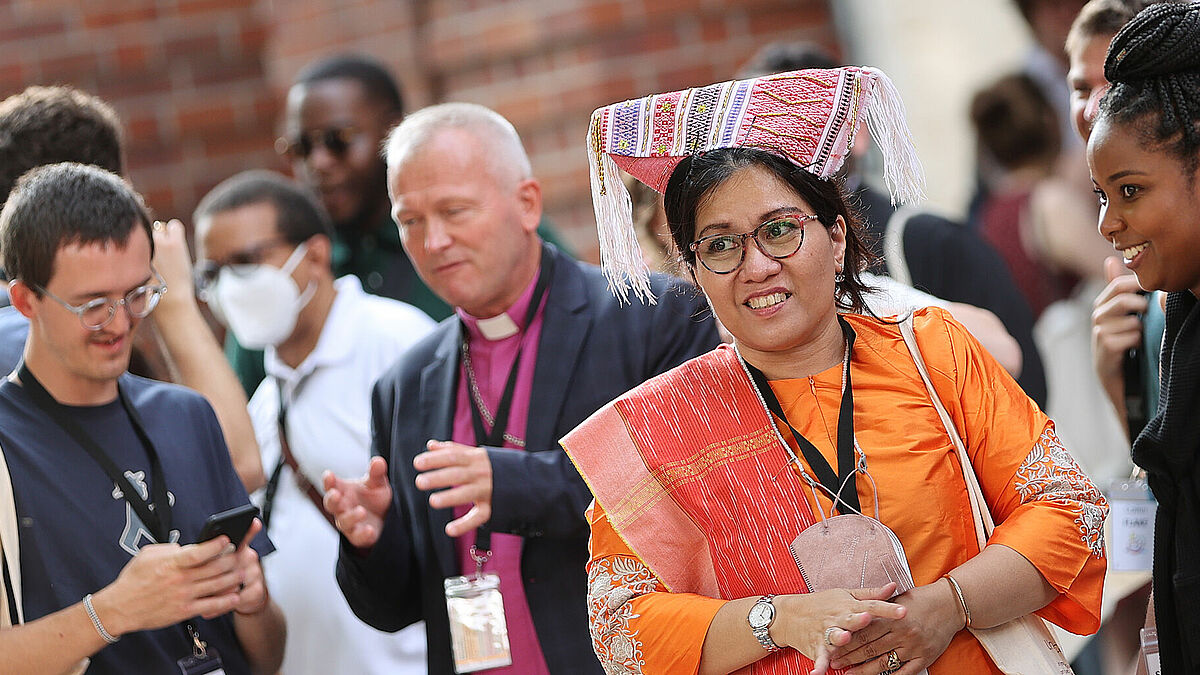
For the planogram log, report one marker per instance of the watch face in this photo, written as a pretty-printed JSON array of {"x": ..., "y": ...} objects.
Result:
[{"x": 761, "y": 614}]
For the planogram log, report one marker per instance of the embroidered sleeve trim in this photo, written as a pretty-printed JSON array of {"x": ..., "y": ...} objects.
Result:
[
  {"x": 612, "y": 583},
  {"x": 1049, "y": 473}
]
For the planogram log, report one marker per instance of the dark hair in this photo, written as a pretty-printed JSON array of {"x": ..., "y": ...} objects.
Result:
[
  {"x": 1154, "y": 66},
  {"x": 698, "y": 175},
  {"x": 1015, "y": 123},
  {"x": 298, "y": 217},
  {"x": 61, "y": 204},
  {"x": 778, "y": 57},
  {"x": 47, "y": 125},
  {"x": 374, "y": 77}
]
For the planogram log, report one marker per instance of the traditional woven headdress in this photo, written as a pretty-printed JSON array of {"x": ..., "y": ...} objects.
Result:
[{"x": 807, "y": 116}]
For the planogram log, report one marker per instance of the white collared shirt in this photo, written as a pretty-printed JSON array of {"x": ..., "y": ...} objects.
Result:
[{"x": 329, "y": 428}]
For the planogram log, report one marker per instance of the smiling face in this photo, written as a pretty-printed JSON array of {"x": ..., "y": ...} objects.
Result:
[
  {"x": 1149, "y": 207},
  {"x": 349, "y": 181},
  {"x": 777, "y": 310},
  {"x": 74, "y": 363}
]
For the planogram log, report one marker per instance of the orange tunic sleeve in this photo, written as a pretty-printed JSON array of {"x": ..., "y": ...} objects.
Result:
[
  {"x": 637, "y": 625},
  {"x": 1044, "y": 505}
]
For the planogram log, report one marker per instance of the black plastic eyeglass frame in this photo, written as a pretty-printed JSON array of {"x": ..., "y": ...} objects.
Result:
[
  {"x": 753, "y": 234},
  {"x": 206, "y": 271},
  {"x": 156, "y": 291}
]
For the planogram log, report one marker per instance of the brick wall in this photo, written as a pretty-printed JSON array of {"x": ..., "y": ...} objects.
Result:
[{"x": 200, "y": 83}]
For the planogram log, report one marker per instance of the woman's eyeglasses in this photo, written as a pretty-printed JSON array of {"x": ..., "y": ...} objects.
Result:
[
  {"x": 777, "y": 238},
  {"x": 336, "y": 140}
]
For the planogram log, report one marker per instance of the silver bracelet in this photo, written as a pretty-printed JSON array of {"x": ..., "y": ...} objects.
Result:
[{"x": 91, "y": 612}]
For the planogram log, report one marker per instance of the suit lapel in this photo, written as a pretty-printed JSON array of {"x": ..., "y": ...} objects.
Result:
[
  {"x": 565, "y": 324},
  {"x": 439, "y": 389}
]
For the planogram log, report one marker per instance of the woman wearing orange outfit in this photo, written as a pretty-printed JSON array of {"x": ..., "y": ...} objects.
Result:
[{"x": 700, "y": 490}]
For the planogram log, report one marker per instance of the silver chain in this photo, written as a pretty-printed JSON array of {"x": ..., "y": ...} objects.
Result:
[{"x": 477, "y": 396}]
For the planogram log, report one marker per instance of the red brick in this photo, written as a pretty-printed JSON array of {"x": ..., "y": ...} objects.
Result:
[
  {"x": 206, "y": 45},
  {"x": 70, "y": 68},
  {"x": 103, "y": 14},
  {"x": 34, "y": 28},
  {"x": 131, "y": 57},
  {"x": 189, "y": 8},
  {"x": 198, "y": 118}
]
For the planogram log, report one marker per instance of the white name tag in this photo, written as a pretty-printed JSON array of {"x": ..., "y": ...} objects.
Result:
[{"x": 478, "y": 631}]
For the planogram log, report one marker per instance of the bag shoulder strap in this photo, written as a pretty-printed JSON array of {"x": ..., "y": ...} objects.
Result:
[
  {"x": 984, "y": 525},
  {"x": 10, "y": 550}
]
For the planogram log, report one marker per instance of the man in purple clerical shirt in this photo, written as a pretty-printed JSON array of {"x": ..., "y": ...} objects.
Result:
[{"x": 466, "y": 424}]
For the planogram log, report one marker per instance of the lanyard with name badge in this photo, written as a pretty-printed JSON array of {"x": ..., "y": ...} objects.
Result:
[
  {"x": 478, "y": 629},
  {"x": 154, "y": 512}
]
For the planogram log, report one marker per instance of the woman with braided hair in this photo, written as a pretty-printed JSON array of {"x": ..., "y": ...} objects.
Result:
[{"x": 1144, "y": 153}]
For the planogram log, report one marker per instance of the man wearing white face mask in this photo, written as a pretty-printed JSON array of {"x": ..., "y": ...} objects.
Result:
[{"x": 265, "y": 270}]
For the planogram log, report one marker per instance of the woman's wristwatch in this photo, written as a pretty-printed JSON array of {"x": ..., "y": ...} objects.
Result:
[{"x": 762, "y": 615}]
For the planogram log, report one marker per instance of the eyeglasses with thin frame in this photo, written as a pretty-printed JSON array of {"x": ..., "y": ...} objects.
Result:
[
  {"x": 777, "y": 238},
  {"x": 336, "y": 140},
  {"x": 207, "y": 271},
  {"x": 98, "y": 313}
]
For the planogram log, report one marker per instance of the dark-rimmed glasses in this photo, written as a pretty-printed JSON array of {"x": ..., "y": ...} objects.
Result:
[
  {"x": 777, "y": 238},
  {"x": 207, "y": 271},
  {"x": 336, "y": 140},
  {"x": 98, "y": 313}
]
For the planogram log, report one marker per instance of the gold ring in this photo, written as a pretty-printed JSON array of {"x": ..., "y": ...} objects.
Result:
[
  {"x": 159, "y": 226},
  {"x": 829, "y": 635},
  {"x": 893, "y": 661}
]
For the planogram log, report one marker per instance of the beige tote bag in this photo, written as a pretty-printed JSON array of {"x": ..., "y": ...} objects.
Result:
[{"x": 1023, "y": 646}]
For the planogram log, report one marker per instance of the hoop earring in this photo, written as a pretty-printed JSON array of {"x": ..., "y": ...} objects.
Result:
[{"x": 839, "y": 278}]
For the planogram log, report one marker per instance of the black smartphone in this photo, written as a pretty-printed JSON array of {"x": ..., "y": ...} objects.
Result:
[
  {"x": 1134, "y": 367},
  {"x": 233, "y": 523}
]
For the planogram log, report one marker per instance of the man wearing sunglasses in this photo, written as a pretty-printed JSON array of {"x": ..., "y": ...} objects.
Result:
[
  {"x": 113, "y": 476},
  {"x": 264, "y": 249}
]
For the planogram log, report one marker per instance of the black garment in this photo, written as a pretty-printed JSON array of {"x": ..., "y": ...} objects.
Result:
[
  {"x": 1167, "y": 450},
  {"x": 952, "y": 262},
  {"x": 592, "y": 349}
]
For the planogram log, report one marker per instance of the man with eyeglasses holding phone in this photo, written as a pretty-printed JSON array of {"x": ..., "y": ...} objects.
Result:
[
  {"x": 264, "y": 250},
  {"x": 113, "y": 476}
]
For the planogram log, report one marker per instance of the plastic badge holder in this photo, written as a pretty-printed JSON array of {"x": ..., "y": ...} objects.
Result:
[
  {"x": 1150, "y": 651},
  {"x": 1132, "y": 518},
  {"x": 478, "y": 631}
]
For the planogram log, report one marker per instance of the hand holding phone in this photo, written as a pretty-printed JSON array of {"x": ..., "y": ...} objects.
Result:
[{"x": 233, "y": 523}]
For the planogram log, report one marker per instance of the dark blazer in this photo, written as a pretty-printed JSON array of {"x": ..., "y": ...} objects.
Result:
[{"x": 592, "y": 349}]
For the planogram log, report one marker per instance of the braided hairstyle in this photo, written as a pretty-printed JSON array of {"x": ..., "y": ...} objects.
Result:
[{"x": 1154, "y": 67}]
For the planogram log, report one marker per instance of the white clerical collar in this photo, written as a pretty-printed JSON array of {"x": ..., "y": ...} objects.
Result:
[{"x": 498, "y": 327}]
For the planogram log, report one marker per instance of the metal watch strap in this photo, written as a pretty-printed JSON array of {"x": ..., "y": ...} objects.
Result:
[{"x": 762, "y": 633}]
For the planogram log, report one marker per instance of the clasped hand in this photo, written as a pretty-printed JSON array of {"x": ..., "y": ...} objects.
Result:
[{"x": 919, "y": 637}]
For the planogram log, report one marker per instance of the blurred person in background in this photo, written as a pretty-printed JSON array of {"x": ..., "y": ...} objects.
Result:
[
  {"x": 264, "y": 247},
  {"x": 44, "y": 125}
]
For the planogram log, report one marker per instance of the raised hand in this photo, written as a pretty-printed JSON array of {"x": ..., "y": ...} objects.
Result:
[
  {"x": 359, "y": 505},
  {"x": 466, "y": 472},
  {"x": 1116, "y": 329}
]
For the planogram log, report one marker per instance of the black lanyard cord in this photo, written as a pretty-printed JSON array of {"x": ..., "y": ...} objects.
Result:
[
  {"x": 155, "y": 513},
  {"x": 840, "y": 484},
  {"x": 495, "y": 437}
]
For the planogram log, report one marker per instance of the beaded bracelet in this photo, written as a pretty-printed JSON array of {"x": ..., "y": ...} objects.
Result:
[{"x": 91, "y": 612}]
